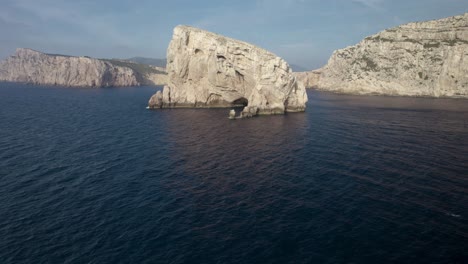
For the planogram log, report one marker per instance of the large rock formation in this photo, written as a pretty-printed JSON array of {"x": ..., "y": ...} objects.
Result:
[
  {"x": 158, "y": 76},
  {"x": 209, "y": 70},
  {"x": 417, "y": 59},
  {"x": 31, "y": 66},
  {"x": 310, "y": 79}
]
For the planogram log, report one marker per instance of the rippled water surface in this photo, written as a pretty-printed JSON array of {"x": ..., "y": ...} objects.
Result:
[{"x": 91, "y": 176}]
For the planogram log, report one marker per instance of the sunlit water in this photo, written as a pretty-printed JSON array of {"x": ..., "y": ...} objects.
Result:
[{"x": 91, "y": 176}]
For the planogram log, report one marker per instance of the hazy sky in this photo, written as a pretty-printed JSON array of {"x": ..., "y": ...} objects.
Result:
[{"x": 304, "y": 32}]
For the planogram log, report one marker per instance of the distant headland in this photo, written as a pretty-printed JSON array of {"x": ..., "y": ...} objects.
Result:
[{"x": 30, "y": 66}]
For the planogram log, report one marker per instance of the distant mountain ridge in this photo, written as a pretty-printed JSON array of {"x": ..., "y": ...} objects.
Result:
[{"x": 149, "y": 61}]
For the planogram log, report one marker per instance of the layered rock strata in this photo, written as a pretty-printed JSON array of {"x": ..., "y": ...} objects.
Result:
[
  {"x": 417, "y": 59},
  {"x": 209, "y": 70}
]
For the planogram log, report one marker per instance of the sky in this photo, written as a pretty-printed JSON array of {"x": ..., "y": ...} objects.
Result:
[{"x": 303, "y": 32}]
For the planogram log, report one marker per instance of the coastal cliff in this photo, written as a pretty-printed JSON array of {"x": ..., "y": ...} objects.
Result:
[
  {"x": 416, "y": 59},
  {"x": 210, "y": 70},
  {"x": 31, "y": 66},
  {"x": 145, "y": 74},
  {"x": 310, "y": 79},
  {"x": 157, "y": 76}
]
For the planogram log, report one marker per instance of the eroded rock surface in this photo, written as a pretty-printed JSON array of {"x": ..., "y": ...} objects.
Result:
[
  {"x": 31, "y": 66},
  {"x": 209, "y": 70},
  {"x": 310, "y": 79},
  {"x": 157, "y": 77},
  {"x": 417, "y": 59}
]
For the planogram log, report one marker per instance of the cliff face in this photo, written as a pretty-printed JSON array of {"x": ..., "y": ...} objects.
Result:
[
  {"x": 417, "y": 59},
  {"x": 35, "y": 67},
  {"x": 310, "y": 79},
  {"x": 209, "y": 70},
  {"x": 145, "y": 74},
  {"x": 158, "y": 76}
]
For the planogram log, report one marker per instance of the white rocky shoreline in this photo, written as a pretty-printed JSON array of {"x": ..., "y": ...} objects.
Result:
[{"x": 423, "y": 59}]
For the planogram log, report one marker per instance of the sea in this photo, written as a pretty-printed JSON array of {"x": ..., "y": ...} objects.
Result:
[{"x": 92, "y": 176}]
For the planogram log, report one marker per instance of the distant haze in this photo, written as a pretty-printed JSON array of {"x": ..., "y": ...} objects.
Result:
[
  {"x": 149, "y": 61},
  {"x": 305, "y": 33},
  {"x": 298, "y": 68}
]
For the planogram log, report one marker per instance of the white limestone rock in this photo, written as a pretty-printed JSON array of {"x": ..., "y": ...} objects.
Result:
[
  {"x": 209, "y": 70},
  {"x": 232, "y": 114},
  {"x": 158, "y": 77},
  {"x": 310, "y": 79},
  {"x": 417, "y": 59},
  {"x": 31, "y": 66}
]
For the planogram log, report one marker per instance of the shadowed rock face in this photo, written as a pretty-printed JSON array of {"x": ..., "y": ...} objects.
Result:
[
  {"x": 417, "y": 59},
  {"x": 31, "y": 66},
  {"x": 209, "y": 70}
]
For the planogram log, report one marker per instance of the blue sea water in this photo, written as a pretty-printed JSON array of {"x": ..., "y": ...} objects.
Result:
[{"x": 91, "y": 176}]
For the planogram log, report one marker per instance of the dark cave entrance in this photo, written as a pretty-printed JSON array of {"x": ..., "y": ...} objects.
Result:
[{"x": 241, "y": 102}]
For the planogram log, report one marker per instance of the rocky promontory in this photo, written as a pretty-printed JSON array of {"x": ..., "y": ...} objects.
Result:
[
  {"x": 31, "y": 66},
  {"x": 417, "y": 59},
  {"x": 210, "y": 70}
]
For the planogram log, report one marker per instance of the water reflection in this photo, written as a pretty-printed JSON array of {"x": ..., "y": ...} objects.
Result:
[
  {"x": 408, "y": 113},
  {"x": 206, "y": 139}
]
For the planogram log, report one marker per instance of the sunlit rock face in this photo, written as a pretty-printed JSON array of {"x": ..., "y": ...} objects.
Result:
[
  {"x": 209, "y": 70},
  {"x": 31, "y": 66},
  {"x": 417, "y": 59}
]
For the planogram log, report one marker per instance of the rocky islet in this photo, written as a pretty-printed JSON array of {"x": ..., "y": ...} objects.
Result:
[{"x": 209, "y": 70}]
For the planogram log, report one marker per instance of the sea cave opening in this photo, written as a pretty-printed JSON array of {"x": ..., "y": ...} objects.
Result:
[{"x": 241, "y": 102}]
